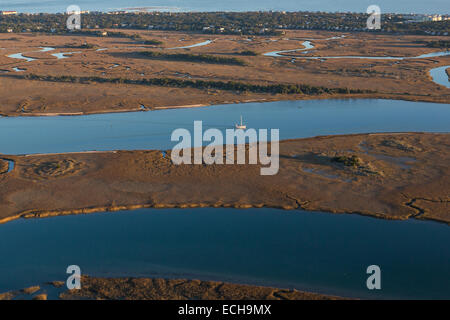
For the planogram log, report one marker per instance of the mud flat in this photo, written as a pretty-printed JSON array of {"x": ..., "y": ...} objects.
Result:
[
  {"x": 163, "y": 289},
  {"x": 390, "y": 176},
  {"x": 4, "y": 166},
  {"x": 160, "y": 289}
]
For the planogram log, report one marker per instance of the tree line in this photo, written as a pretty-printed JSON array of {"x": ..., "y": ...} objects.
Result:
[
  {"x": 193, "y": 58},
  {"x": 248, "y": 23},
  {"x": 205, "y": 84}
]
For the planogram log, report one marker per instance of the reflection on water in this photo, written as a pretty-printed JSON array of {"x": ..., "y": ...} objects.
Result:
[
  {"x": 440, "y": 76},
  {"x": 10, "y": 165},
  {"x": 306, "y": 46},
  {"x": 28, "y": 59},
  {"x": 46, "y": 49},
  {"x": 152, "y": 129},
  {"x": 204, "y": 43},
  {"x": 63, "y": 55},
  {"x": 20, "y": 56},
  {"x": 294, "y": 249},
  {"x": 423, "y": 56}
]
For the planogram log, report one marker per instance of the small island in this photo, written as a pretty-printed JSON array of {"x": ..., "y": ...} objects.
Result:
[{"x": 389, "y": 176}]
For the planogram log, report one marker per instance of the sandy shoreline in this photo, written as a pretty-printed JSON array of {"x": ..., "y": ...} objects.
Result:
[
  {"x": 265, "y": 100},
  {"x": 94, "y": 288}
]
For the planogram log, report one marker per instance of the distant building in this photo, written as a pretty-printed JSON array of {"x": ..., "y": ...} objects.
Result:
[
  {"x": 7, "y": 13},
  {"x": 118, "y": 12},
  {"x": 424, "y": 18},
  {"x": 439, "y": 17},
  {"x": 436, "y": 17}
]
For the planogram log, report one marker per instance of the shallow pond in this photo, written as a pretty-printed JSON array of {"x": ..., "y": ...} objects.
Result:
[
  {"x": 423, "y": 56},
  {"x": 17, "y": 69},
  {"x": 63, "y": 55}
]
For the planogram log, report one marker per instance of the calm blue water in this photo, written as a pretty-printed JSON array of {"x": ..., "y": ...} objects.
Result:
[
  {"x": 311, "y": 251},
  {"x": 403, "y": 6},
  {"x": 152, "y": 130},
  {"x": 440, "y": 76},
  {"x": 278, "y": 54},
  {"x": 423, "y": 56},
  {"x": 308, "y": 45}
]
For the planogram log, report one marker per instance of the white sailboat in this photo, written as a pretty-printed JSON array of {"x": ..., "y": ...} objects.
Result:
[{"x": 241, "y": 126}]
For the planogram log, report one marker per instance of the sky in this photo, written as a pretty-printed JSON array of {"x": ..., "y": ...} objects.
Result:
[{"x": 399, "y": 6}]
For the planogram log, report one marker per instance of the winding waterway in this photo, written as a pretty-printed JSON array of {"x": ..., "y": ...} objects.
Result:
[
  {"x": 306, "y": 46},
  {"x": 152, "y": 129},
  {"x": 10, "y": 166},
  {"x": 422, "y": 56},
  {"x": 440, "y": 76},
  {"x": 20, "y": 55},
  {"x": 63, "y": 55},
  {"x": 308, "y": 251}
]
